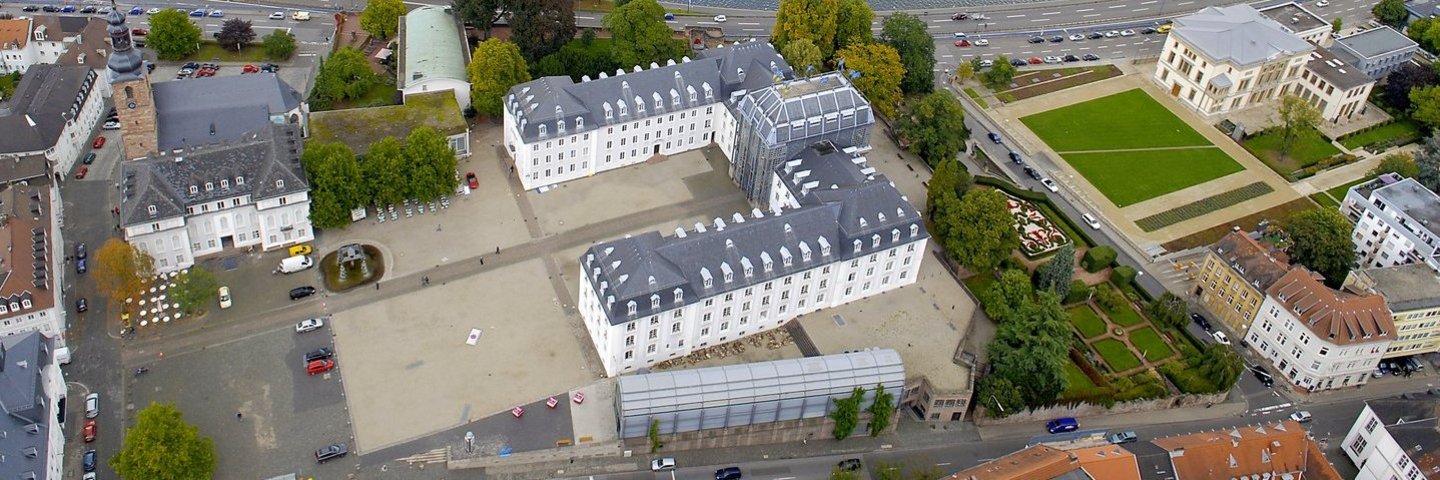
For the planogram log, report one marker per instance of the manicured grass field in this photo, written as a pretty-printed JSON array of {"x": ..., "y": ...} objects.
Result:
[
  {"x": 1129, "y": 119},
  {"x": 1401, "y": 131},
  {"x": 1087, "y": 321},
  {"x": 1305, "y": 151},
  {"x": 210, "y": 51},
  {"x": 1149, "y": 342},
  {"x": 1324, "y": 200},
  {"x": 1127, "y": 178},
  {"x": 1125, "y": 317},
  {"x": 1116, "y": 354},
  {"x": 1075, "y": 378}
]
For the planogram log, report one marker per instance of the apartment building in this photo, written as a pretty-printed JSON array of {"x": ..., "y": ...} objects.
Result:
[
  {"x": 1397, "y": 221},
  {"x": 1319, "y": 338},
  {"x": 1413, "y": 293},
  {"x": 1377, "y": 51},
  {"x": 31, "y": 267},
  {"x": 1278, "y": 451},
  {"x": 51, "y": 114},
  {"x": 1233, "y": 279},
  {"x": 1108, "y": 462},
  {"x": 1396, "y": 438}
]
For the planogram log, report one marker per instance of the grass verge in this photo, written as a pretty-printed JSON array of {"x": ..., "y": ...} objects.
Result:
[
  {"x": 1203, "y": 206},
  {"x": 1399, "y": 132},
  {"x": 1125, "y": 316},
  {"x": 1075, "y": 378},
  {"x": 211, "y": 51},
  {"x": 970, "y": 92},
  {"x": 1149, "y": 342}
]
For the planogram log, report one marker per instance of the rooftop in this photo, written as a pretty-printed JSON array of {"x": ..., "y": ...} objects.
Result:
[
  {"x": 1413, "y": 286},
  {"x": 14, "y": 33},
  {"x": 1337, "y": 317},
  {"x": 431, "y": 46},
  {"x": 1295, "y": 18},
  {"x": 24, "y": 418},
  {"x": 25, "y": 167},
  {"x": 1259, "y": 265},
  {"x": 360, "y": 127},
  {"x": 806, "y": 107},
  {"x": 1413, "y": 420},
  {"x": 1409, "y": 196},
  {"x": 1332, "y": 69},
  {"x": 200, "y": 111},
  {"x": 1279, "y": 448},
  {"x": 27, "y": 250},
  {"x": 91, "y": 46},
  {"x": 823, "y": 167},
  {"x": 1376, "y": 42},
  {"x": 1040, "y": 462},
  {"x": 1238, "y": 34},
  {"x": 263, "y": 164},
  {"x": 46, "y": 100}
]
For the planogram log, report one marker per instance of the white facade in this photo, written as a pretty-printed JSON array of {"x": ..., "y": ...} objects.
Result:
[
  {"x": 40, "y": 46},
  {"x": 1395, "y": 222},
  {"x": 21, "y": 317},
  {"x": 1212, "y": 87},
  {"x": 1308, "y": 360},
  {"x": 1376, "y": 453},
  {"x": 74, "y": 138},
  {"x": 237, "y": 222},
  {"x": 743, "y": 312}
]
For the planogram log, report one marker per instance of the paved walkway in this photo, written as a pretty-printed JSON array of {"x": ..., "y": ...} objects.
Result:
[{"x": 1342, "y": 175}]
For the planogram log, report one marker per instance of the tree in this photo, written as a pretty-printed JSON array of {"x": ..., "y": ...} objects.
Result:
[
  {"x": 162, "y": 446},
  {"x": 483, "y": 14},
  {"x": 432, "y": 168},
  {"x": 574, "y": 60},
  {"x": 882, "y": 409},
  {"x": 236, "y": 34},
  {"x": 1391, "y": 12},
  {"x": 812, "y": 19},
  {"x": 1427, "y": 164},
  {"x": 1336, "y": 25},
  {"x": 1423, "y": 32},
  {"x": 1098, "y": 258},
  {"x": 384, "y": 166},
  {"x": 950, "y": 178},
  {"x": 1320, "y": 240},
  {"x": 1400, "y": 163},
  {"x": 1425, "y": 103},
  {"x": 1108, "y": 297},
  {"x": 1079, "y": 292},
  {"x": 172, "y": 35},
  {"x": 965, "y": 71},
  {"x": 279, "y": 45},
  {"x": 541, "y": 27},
  {"x": 804, "y": 56},
  {"x": 382, "y": 17},
  {"x": 1032, "y": 349},
  {"x": 879, "y": 69},
  {"x": 344, "y": 75},
  {"x": 1122, "y": 274},
  {"x": 909, "y": 35},
  {"x": 1004, "y": 299},
  {"x": 640, "y": 34},
  {"x": 122, "y": 271},
  {"x": 1400, "y": 82},
  {"x": 1055, "y": 275},
  {"x": 935, "y": 126},
  {"x": 847, "y": 413},
  {"x": 1297, "y": 119},
  {"x": 1220, "y": 365},
  {"x": 999, "y": 396},
  {"x": 1169, "y": 310},
  {"x": 495, "y": 66},
  {"x": 981, "y": 230},
  {"x": 194, "y": 288},
  {"x": 336, "y": 183},
  {"x": 852, "y": 25},
  {"x": 1000, "y": 73}
]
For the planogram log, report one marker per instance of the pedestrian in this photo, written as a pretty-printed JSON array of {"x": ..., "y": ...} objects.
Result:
[
  {"x": 482, "y": 260},
  {"x": 497, "y": 250},
  {"x": 239, "y": 416},
  {"x": 377, "y": 285}
]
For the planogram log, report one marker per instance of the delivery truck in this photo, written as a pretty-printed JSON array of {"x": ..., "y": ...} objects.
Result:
[{"x": 295, "y": 264}]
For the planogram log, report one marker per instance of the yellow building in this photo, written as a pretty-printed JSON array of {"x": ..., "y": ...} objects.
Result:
[
  {"x": 1233, "y": 279},
  {"x": 1413, "y": 292}
]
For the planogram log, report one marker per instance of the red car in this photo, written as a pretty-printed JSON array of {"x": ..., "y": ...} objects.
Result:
[
  {"x": 89, "y": 432},
  {"x": 472, "y": 181},
  {"x": 99, "y": 142},
  {"x": 205, "y": 72},
  {"x": 319, "y": 366},
  {"x": 80, "y": 172},
  {"x": 962, "y": 43},
  {"x": 1036, "y": 61},
  {"x": 139, "y": 31},
  {"x": 250, "y": 69}
]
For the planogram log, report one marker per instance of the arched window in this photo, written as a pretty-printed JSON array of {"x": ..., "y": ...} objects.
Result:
[{"x": 129, "y": 92}]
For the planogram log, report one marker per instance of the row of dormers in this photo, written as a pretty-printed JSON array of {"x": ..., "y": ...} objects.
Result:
[{"x": 224, "y": 185}]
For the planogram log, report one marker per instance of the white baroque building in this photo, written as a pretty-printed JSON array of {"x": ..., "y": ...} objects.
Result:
[
  {"x": 1395, "y": 438},
  {"x": 742, "y": 98},
  {"x": 1397, "y": 221},
  {"x": 187, "y": 203},
  {"x": 839, "y": 233},
  {"x": 1319, "y": 338},
  {"x": 32, "y": 418}
]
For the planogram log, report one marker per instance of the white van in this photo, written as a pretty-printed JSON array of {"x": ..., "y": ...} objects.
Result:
[
  {"x": 300, "y": 16},
  {"x": 295, "y": 264}
]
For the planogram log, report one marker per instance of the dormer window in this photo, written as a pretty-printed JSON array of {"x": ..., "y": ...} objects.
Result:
[
  {"x": 786, "y": 258},
  {"x": 224, "y": 184},
  {"x": 623, "y": 109},
  {"x": 729, "y": 274},
  {"x": 579, "y": 123},
  {"x": 209, "y": 186},
  {"x": 679, "y": 296},
  {"x": 194, "y": 189},
  {"x": 709, "y": 92},
  {"x": 239, "y": 180},
  {"x": 279, "y": 183},
  {"x": 659, "y": 104},
  {"x": 690, "y": 91},
  {"x": 914, "y": 230},
  {"x": 875, "y": 241},
  {"x": 560, "y": 127},
  {"x": 609, "y": 113},
  {"x": 766, "y": 262},
  {"x": 152, "y": 210},
  {"x": 858, "y": 244},
  {"x": 804, "y": 252},
  {"x": 639, "y": 106},
  {"x": 894, "y": 235},
  {"x": 824, "y": 247},
  {"x": 631, "y": 306},
  {"x": 674, "y": 98},
  {"x": 655, "y": 301},
  {"x": 706, "y": 279},
  {"x": 748, "y": 267},
  {"x": 542, "y": 130}
]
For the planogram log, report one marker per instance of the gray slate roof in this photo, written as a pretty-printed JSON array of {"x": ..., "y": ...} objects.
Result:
[
  {"x": 1375, "y": 42},
  {"x": 1237, "y": 34},
  {"x": 27, "y": 167},
  {"x": 263, "y": 157},
  {"x": 215, "y": 109},
  {"x": 1413, "y": 420},
  {"x": 126, "y": 62},
  {"x": 1342, "y": 75},
  {"x": 806, "y": 108},
  {"x": 24, "y": 412},
  {"x": 46, "y": 99},
  {"x": 636, "y": 267},
  {"x": 823, "y": 167},
  {"x": 550, "y": 99},
  {"x": 1412, "y": 286}
]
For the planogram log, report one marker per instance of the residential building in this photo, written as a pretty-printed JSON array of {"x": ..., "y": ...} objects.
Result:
[
  {"x": 52, "y": 113},
  {"x": 32, "y": 417},
  {"x": 752, "y": 393},
  {"x": 1280, "y": 450},
  {"x": 1336, "y": 89},
  {"x": 1233, "y": 279},
  {"x": 1397, "y": 221},
  {"x": 433, "y": 53},
  {"x": 648, "y": 298},
  {"x": 359, "y": 127},
  {"x": 30, "y": 41},
  {"x": 1043, "y": 462},
  {"x": 742, "y": 98},
  {"x": 30, "y": 262},
  {"x": 1396, "y": 438},
  {"x": 1295, "y": 19},
  {"x": 1319, "y": 338},
  {"x": 1413, "y": 293},
  {"x": 1377, "y": 51}
]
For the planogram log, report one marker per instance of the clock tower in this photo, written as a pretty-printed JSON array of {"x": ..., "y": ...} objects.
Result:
[{"x": 131, "y": 89}]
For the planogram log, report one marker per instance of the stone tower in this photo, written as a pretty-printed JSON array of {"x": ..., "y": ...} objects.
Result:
[{"x": 131, "y": 88}]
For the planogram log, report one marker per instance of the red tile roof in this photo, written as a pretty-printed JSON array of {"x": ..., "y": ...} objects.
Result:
[
  {"x": 1340, "y": 318},
  {"x": 14, "y": 34},
  {"x": 1040, "y": 462},
  {"x": 1249, "y": 450},
  {"x": 1259, "y": 264}
]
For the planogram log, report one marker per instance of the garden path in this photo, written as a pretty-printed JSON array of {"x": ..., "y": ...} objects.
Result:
[{"x": 1111, "y": 327}]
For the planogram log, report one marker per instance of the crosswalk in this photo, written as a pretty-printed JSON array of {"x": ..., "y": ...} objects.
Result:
[{"x": 438, "y": 455}]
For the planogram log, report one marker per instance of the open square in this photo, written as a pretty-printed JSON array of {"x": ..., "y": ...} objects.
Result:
[{"x": 1126, "y": 120}]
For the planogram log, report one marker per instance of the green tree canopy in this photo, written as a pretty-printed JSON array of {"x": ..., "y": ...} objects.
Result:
[
  {"x": 162, "y": 446},
  {"x": 981, "y": 230},
  {"x": 1097, "y": 258},
  {"x": 577, "y": 60},
  {"x": 1000, "y": 74},
  {"x": 935, "y": 126},
  {"x": 812, "y": 19},
  {"x": 382, "y": 17},
  {"x": 804, "y": 57},
  {"x": 1320, "y": 240},
  {"x": 336, "y": 183},
  {"x": 882, "y": 409},
  {"x": 1003, "y": 300},
  {"x": 852, "y": 25},
  {"x": 122, "y": 271},
  {"x": 384, "y": 165},
  {"x": 1032, "y": 349},
  {"x": 1391, "y": 12},
  {"x": 1426, "y": 105},
  {"x": 194, "y": 288},
  {"x": 236, "y": 34},
  {"x": 432, "y": 168},
  {"x": 1400, "y": 163},
  {"x": 1000, "y": 397},
  {"x": 640, "y": 34},
  {"x": 279, "y": 45},
  {"x": 541, "y": 27},
  {"x": 1297, "y": 120},
  {"x": 1427, "y": 164},
  {"x": 483, "y": 14},
  {"x": 343, "y": 76},
  {"x": 911, "y": 38},
  {"x": 1221, "y": 365},
  {"x": 172, "y": 35},
  {"x": 495, "y": 66},
  {"x": 880, "y": 74},
  {"x": 950, "y": 178},
  {"x": 1055, "y": 275},
  {"x": 1169, "y": 310},
  {"x": 847, "y": 413}
]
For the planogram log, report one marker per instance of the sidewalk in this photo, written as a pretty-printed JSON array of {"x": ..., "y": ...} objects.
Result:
[
  {"x": 1231, "y": 408},
  {"x": 1339, "y": 176}
]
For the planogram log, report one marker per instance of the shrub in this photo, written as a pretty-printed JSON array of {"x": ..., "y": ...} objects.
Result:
[
  {"x": 1098, "y": 258},
  {"x": 1122, "y": 275},
  {"x": 1109, "y": 298},
  {"x": 1079, "y": 292}
]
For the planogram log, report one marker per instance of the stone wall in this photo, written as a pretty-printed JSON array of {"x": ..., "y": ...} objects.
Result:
[{"x": 982, "y": 417}]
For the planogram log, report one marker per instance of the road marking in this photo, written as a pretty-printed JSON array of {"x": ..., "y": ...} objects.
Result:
[
  {"x": 753, "y": 29},
  {"x": 1116, "y": 6},
  {"x": 1051, "y": 13},
  {"x": 1085, "y": 10},
  {"x": 1092, "y": 15},
  {"x": 581, "y": 17},
  {"x": 1140, "y": 9},
  {"x": 947, "y": 56},
  {"x": 1015, "y": 16},
  {"x": 1102, "y": 46},
  {"x": 743, "y": 23},
  {"x": 1039, "y": 20},
  {"x": 1185, "y": 3},
  {"x": 1121, "y": 45}
]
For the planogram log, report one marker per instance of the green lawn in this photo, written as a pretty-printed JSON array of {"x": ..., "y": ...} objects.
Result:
[
  {"x": 1124, "y": 120},
  {"x": 1325, "y": 201},
  {"x": 976, "y": 96},
  {"x": 1307, "y": 150},
  {"x": 1338, "y": 193},
  {"x": 1126, "y": 316},
  {"x": 1400, "y": 131},
  {"x": 1116, "y": 354},
  {"x": 1150, "y": 342},
  {"x": 1085, "y": 319},
  {"x": 211, "y": 51},
  {"x": 382, "y": 94},
  {"x": 1076, "y": 378},
  {"x": 1162, "y": 171},
  {"x": 979, "y": 283}
]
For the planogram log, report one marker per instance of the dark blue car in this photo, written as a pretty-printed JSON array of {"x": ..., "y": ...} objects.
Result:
[
  {"x": 88, "y": 461},
  {"x": 199, "y": 12},
  {"x": 81, "y": 267},
  {"x": 136, "y": 11},
  {"x": 994, "y": 137}
]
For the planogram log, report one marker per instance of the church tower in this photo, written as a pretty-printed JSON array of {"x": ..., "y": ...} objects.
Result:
[{"x": 131, "y": 89}]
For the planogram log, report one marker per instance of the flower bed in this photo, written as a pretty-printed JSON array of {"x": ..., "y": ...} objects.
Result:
[{"x": 1038, "y": 235}]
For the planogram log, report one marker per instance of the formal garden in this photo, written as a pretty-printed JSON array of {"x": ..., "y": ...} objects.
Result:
[{"x": 1038, "y": 235}]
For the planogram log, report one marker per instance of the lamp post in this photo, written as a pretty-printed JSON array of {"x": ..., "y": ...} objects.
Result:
[{"x": 997, "y": 403}]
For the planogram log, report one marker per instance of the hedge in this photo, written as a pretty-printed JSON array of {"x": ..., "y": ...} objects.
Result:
[{"x": 1098, "y": 258}]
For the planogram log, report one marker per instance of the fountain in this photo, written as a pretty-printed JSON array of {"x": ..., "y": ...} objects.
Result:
[{"x": 350, "y": 266}]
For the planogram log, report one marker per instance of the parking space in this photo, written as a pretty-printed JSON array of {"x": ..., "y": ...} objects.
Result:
[{"x": 253, "y": 397}]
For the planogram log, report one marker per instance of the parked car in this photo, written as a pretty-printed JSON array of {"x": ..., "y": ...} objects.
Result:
[
  {"x": 959, "y": 16},
  {"x": 1015, "y": 158},
  {"x": 139, "y": 31},
  {"x": 1053, "y": 59},
  {"x": 89, "y": 431},
  {"x": 99, "y": 142},
  {"x": 80, "y": 172},
  {"x": 152, "y": 11},
  {"x": 986, "y": 63},
  {"x": 1057, "y": 39},
  {"x": 662, "y": 464},
  {"x": 1201, "y": 321},
  {"x": 994, "y": 137},
  {"x": 217, "y": 13},
  {"x": 1301, "y": 416},
  {"x": 1112, "y": 34},
  {"x": 1091, "y": 221},
  {"x": 320, "y": 354},
  {"x": 249, "y": 69},
  {"x": 472, "y": 180},
  {"x": 50, "y": 8},
  {"x": 87, "y": 9},
  {"x": 669, "y": 17},
  {"x": 137, "y": 11},
  {"x": 81, "y": 251},
  {"x": 728, "y": 473},
  {"x": 849, "y": 465},
  {"x": 1072, "y": 58},
  {"x": 30, "y": 8},
  {"x": 300, "y": 16},
  {"x": 301, "y": 292},
  {"x": 1262, "y": 375},
  {"x": 277, "y": 16},
  {"x": 67, "y": 9},
  {"x": 1090, "y": 57},
  {"x": 1063, "y": 424},
  {"x": 319, "y": 366},
  {"x": 962, "y": 43},
  {"x": 1077, "y": 37},
  {"x": 331, "y": 452},
  {"x": 270, "y": 68},
  {"x": 1220, "y": 338},
  {"x": 1036, "y": 60},
  {"x": 82, "y": 265},
  {"x": 92, "y": 405},
  {"x": 1050, "y": 185},
  {"x": 1123, "y": 437},
  {"x": 301, "y": 249},
  {"x": 960, "y": 35},
  {"x": 225, "y": 298},
  {"x": 309, "y": 324},
  {"x": 1322, "y": 3},
  {"x": 199, "y": 12},
  {"x": 1147, "y": 31},
  {"x": 1014, "y": 62},
  {"x": 1127, "y": 33},
  {"x": 1163, "y": 28},
  {"x": 89, "y": 460},
  {"x": 81, "y": 305},
  {"x": 1095, "y": 35}
]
